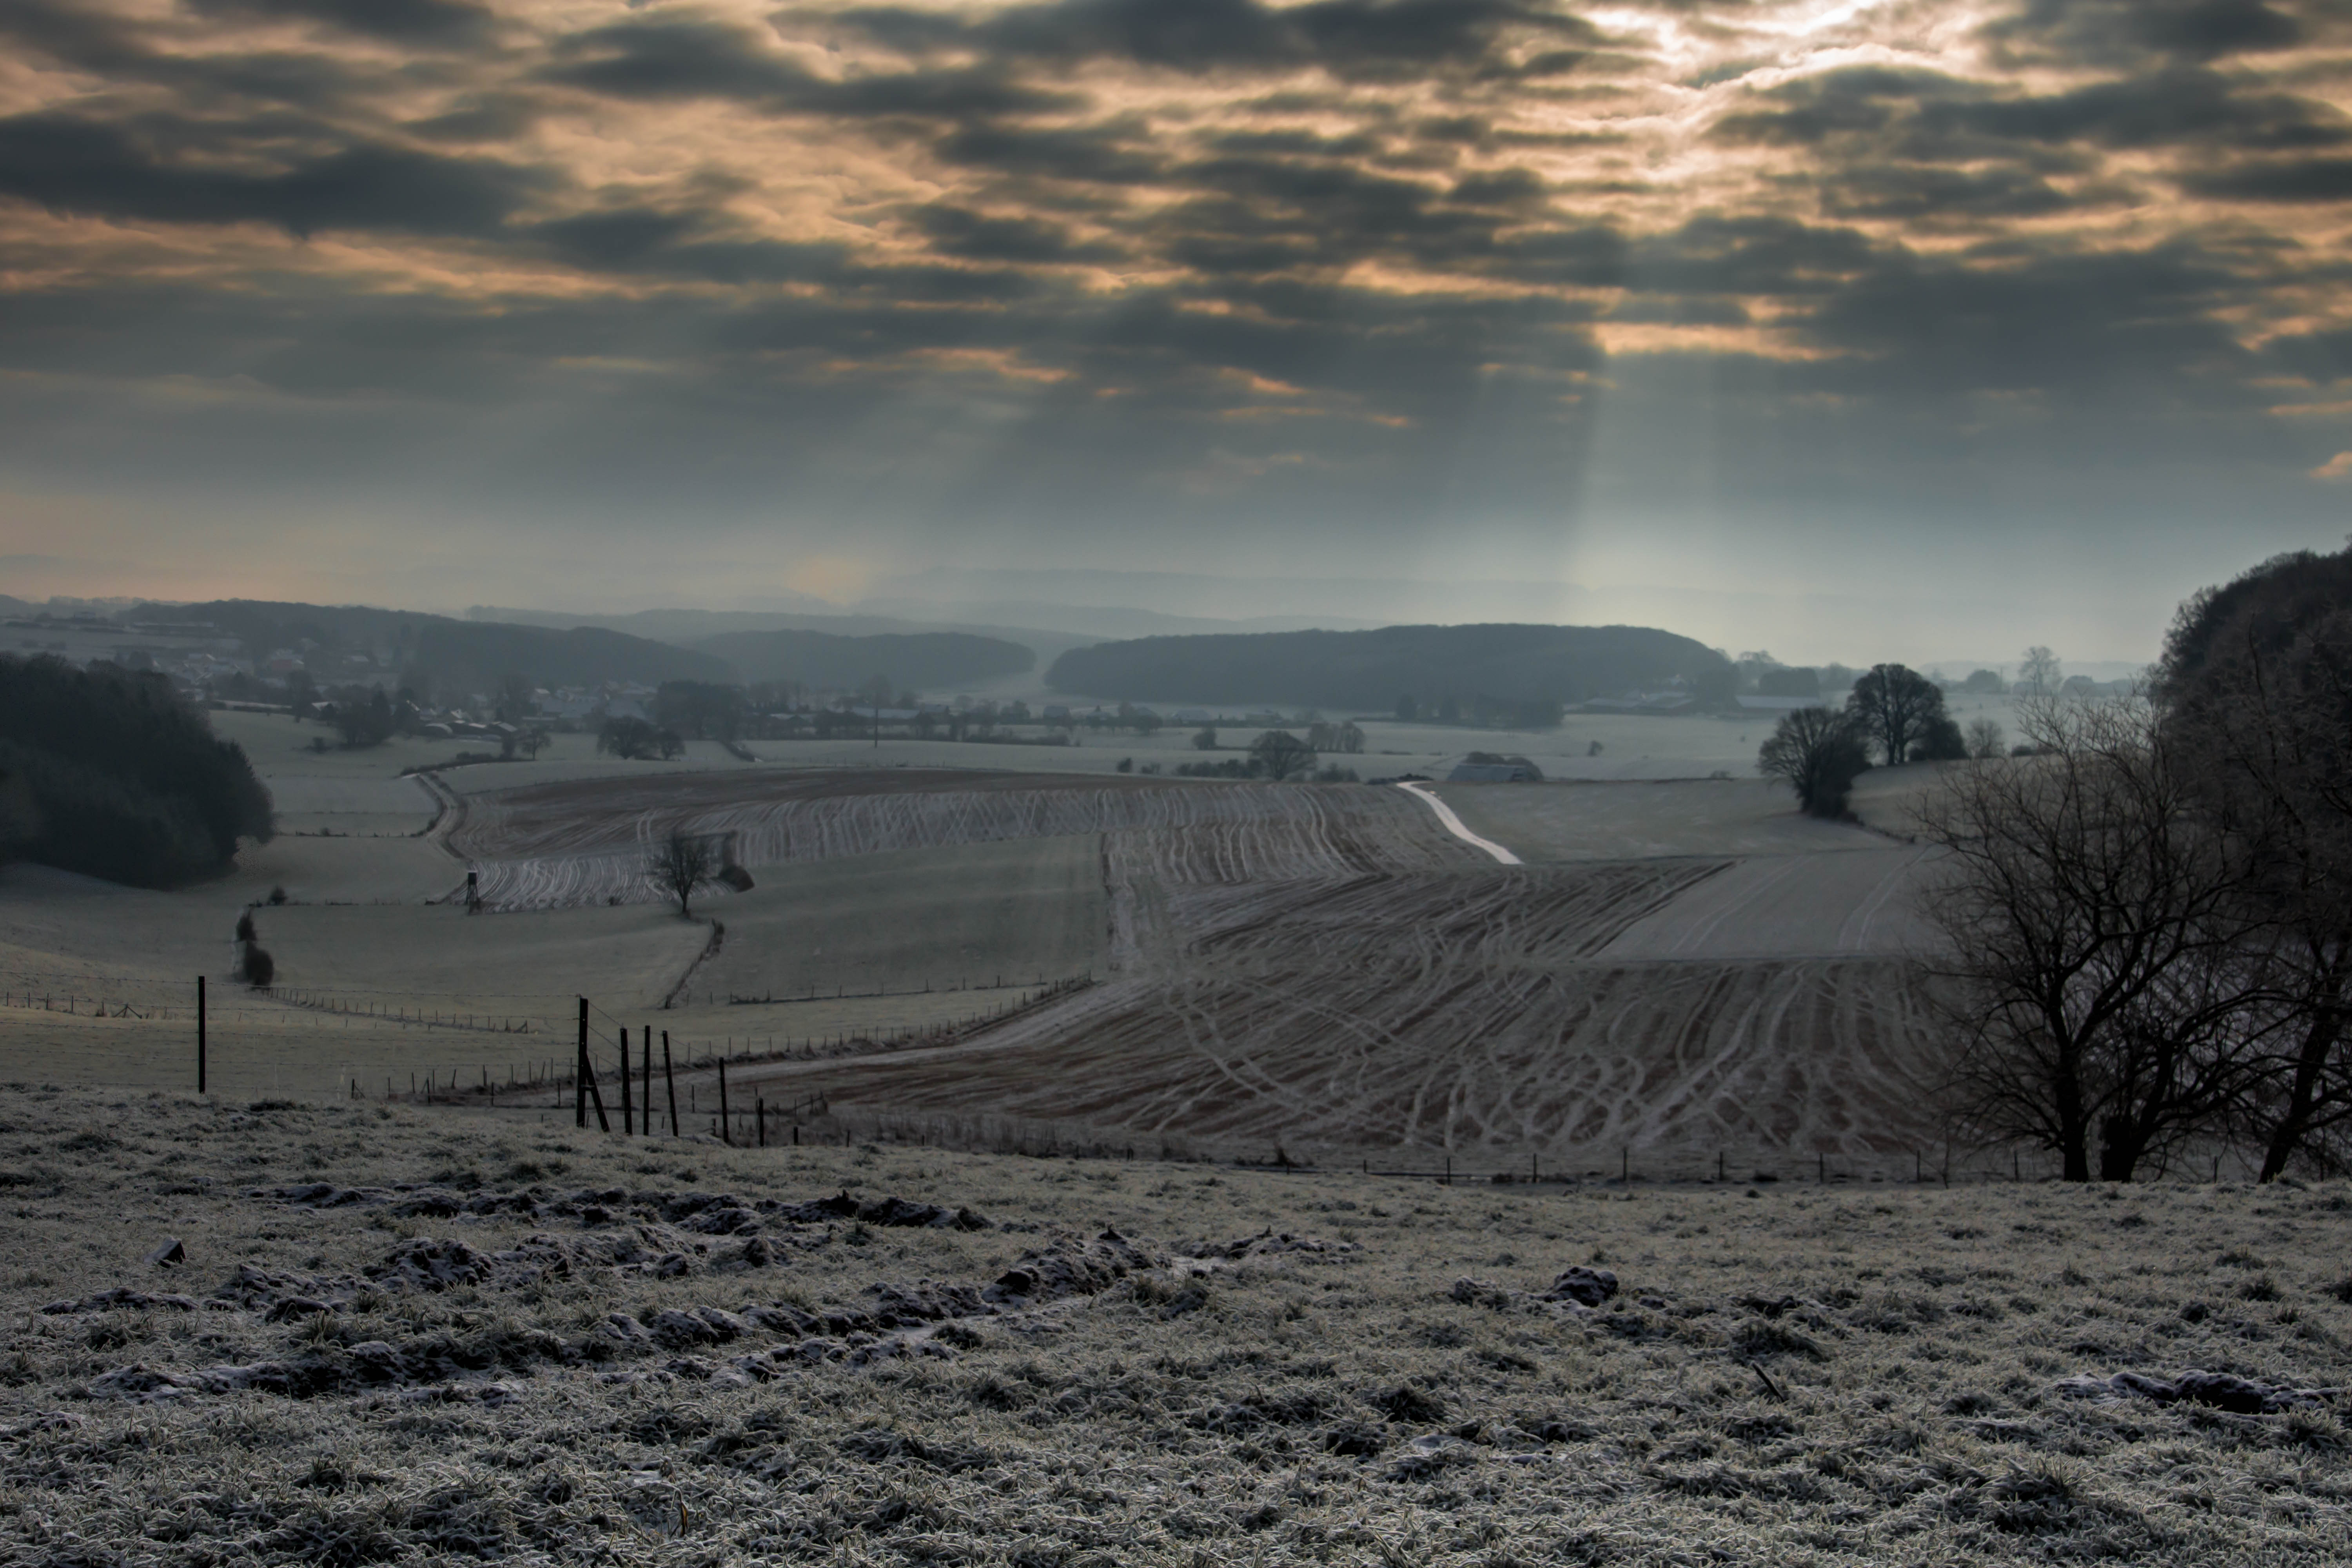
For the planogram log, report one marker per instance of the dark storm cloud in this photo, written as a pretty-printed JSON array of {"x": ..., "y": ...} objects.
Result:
[
  {"x": 440, "y": 22},
  {"x": 1116, "y": 154},
  {"x": 2321, "y": 358},
  {"x": 960, "y": 232},
  {"x": 2128, "y": 325},
  {"x": 1768, "y": 256},
  {"x": 1353, "y": 258},
  {"x": 69, "y": 164},
  {"x": 124, "y": 53},
  {"x": 1910, "y": 193},
  {"x": 2109, "y": 32},
  {"x": 2312, "y": 180},
  {"x": 689, "y": 245},
  {"x": 1347, "y": 38},
  {"x": 1930, "y": 116},
  {"x": 685, "y": 56}
]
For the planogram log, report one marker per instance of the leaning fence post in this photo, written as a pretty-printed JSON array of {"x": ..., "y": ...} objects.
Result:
[
  {"x": 668, "y": 1079},
  {"x": 595, "y": 1095}
]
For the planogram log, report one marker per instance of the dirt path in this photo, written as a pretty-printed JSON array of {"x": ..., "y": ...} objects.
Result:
[{"x": 1453, "y": 825}]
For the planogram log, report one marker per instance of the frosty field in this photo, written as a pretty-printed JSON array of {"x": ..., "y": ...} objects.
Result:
[
  {"x": 432, "y": 1335},
  {"x": 1685, "y": 975}
]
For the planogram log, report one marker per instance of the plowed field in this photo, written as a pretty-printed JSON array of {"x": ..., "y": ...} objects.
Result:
[
  {"x": 1769, "y": 1063},
  {"x": 569, "y": 845},
  {"x": 1326, "y": 970}
]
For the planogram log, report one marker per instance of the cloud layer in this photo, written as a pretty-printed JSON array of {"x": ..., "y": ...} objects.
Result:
[{"x": 1145, "y": 278}]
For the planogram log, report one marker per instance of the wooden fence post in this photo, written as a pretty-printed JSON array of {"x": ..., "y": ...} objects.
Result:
[
  {"x": 725, "y": 1127},
  {"x": 668, "y": 1079},
  {"x": 627, "y": 1121},
  {"x": 580, "y": 1073},
  {"x": 200, "y": 1033}
]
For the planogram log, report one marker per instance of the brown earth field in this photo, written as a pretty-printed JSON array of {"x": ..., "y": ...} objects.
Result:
[
  {"x": 376, "y": 1335},
  {"x": 1685, "y": 978}
]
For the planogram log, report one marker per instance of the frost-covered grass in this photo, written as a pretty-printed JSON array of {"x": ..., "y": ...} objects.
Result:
[{"x": 1790, "y": 1373}]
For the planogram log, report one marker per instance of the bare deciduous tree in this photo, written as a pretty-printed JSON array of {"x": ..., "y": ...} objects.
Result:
[
  {"x": 2040, "y": 669},
  {"x": 1895, "y": 705},
  {"x": 1986, "y": 739},
  {"x": 1820, "y": 753},
  {"x": 2099, "y": 962},
  {"x": 1282, "y": 756},
  {"x": 681, "y": 864}
]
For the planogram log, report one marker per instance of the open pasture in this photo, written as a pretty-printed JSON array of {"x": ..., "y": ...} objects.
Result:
[
  {"x": 503, "y": 1340},
  {"x": 1545, "y": 823}
]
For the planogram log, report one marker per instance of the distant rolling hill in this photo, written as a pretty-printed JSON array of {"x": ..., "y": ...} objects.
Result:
[
  {"x": 1374, "y": 669},
  {"x": 923, "y": 660},
  {"x": 453, "y": 654}
]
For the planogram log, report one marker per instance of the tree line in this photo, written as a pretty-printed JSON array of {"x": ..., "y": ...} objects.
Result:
[
  {"x": 1892, "y": 711},
  {"x": 108, "y": 772},
  {"x": 2145, "y": 910}
]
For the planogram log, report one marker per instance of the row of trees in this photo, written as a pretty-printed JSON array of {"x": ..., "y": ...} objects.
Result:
[
  {"x": 1892, "y": 710},
  {"x": 1488, "y": 712},
  {"x": 1275, "y": 754},
  {"x": 110, "y": 772},
  {"x": 2146, "y": 918}
]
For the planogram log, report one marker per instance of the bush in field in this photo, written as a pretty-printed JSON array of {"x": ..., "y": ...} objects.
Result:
[
  {"x": 259, "y": 969},
  {"x": 112, "y": 774},
  {"x": 1820, "y": 753},
  {"x": 1279, "y": 754},
  {"x": 364, "y": 718},
  {"x": 1941, "y": 741},
  {"x": 634, "y": 739}
]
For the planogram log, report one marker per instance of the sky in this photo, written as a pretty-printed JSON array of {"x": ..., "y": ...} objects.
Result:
[{"x": 1834, "y": 328}]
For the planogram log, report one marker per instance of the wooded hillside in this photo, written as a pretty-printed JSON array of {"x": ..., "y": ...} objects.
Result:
[
  {"x": 829, "y": 661},
  {"x": 453, "y": 654},
  {"x": 105, "y": 772},
  {"x": 1375, "y": 669}
]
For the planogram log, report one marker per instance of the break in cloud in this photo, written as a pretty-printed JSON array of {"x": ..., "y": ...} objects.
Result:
[{"x": 1641, "y": 287}]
